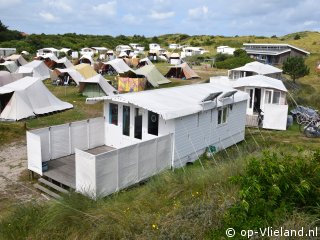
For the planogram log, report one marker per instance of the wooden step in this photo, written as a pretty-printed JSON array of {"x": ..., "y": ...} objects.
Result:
[
  {"x": 47, "y": 191},
  {"x": 52, "y": 185}
]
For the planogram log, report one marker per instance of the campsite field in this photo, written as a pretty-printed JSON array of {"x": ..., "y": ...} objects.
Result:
[{"x": 188, "y": 203}]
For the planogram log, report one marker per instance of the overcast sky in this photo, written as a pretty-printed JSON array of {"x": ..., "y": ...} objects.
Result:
[{"x": 155, "y": 17}]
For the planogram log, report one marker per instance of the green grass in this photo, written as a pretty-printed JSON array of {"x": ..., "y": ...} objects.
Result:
[{"x": 186, "y": 203}]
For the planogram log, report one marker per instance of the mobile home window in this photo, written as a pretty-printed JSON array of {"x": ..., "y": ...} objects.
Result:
[
  {"x": 268, "y": 96},
  {"x": 223, "y": 115},
  {"x": 276, "y": 97},
  {"x": 126, "y": 121},
  {"x": 113, "y": 114},
  {"x": 153, "y": 123}
]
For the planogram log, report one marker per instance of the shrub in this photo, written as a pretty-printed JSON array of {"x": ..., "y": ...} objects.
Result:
[
  {"x": 233, "y": 62},
  {"x": 272, "y": 186},
  {"x": 297, "y": 37}
]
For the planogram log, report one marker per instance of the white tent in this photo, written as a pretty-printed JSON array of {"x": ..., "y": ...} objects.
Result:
[
  {"x": 108, "y": 89},
  {"x": 17, "y": 58},
  {"x": 35, "y": 69},
  {"x": 86, "y": 58},
  {"x": 145, "y": 61},
  {"x": 11, "y": 66},
  {"x": 28, "y": 97},
  {"x": 76, "y": 76},
  {"x": 118, "y": 65},
  {"x": 65, "y": 61},
  {"x": 7, "y": 77}
]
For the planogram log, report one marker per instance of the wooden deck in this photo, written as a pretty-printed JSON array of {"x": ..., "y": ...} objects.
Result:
[{"x": 62, "y": 169}]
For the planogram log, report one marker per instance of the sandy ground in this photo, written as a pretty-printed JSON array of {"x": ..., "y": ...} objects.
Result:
[{"x": 13, "y": 168}]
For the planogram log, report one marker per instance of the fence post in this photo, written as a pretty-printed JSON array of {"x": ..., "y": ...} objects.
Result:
[
  {"x": 88, "y": 133},
  {"x": 70, "y": 139}
]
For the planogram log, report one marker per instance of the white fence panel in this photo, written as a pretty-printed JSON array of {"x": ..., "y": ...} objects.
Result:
[
  {"x": 60, "y": 141},
  {"x": 44, "y": 135},
  {"x": 128, "y": 166},
  {"x": 96, "y": 132},
  {"x": 164, "y": 153},
  {"x": 107, "y": 173},
  {"x": 147, "y": 159},
  {"x": 85, "y": 173},
  {"x": 34, "y": 153},
  {"x": 79, "y": 135}
]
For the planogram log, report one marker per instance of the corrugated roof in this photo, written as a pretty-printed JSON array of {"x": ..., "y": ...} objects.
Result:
[
  {"x": 259, "y": 68},
  {"x": 252, "y": 81},
  {"x": 175, "y": 102}
]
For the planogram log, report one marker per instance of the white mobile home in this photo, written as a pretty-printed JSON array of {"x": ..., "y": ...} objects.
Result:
[
  {"x": 87, "y": 51},
  {"x": 191, "y": 51},
  {"x": 267, "y": 97},
  {"x": 45, "y": 51},
  {"x": 141, "y": 134},
  {"x": 255, "y": 68},
  {"x": 174, "y": 46},
  {"x": 154, "y": 46},
  {"x": 5, "y": 52},
  {"x": 137, "y": 47},
  {"x": 225, "y": 50}
]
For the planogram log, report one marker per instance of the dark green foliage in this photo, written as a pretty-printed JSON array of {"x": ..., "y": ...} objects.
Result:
[
  {"x": 273, "y": 186},
  {"x": 240, "y": 53},
  {"x": 7, "y": 35},
  {"x": 295, "y": 68},
  {"x": 274, "y": 36},
  {"x": 233, "y": 62},
  {"x": 297, "y": 37},
  {"x": 221, "y": 57}
]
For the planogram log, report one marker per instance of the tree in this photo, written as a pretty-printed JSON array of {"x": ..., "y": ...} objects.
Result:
[
  {"x": 3, "y": 28},
  {"x": 240, "y": 53},
  {"x": 295, "y": 68}
]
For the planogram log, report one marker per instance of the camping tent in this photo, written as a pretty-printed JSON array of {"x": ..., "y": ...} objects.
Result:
[
  {"x": 181, "y": 71},
  {"x": 35, "y": 69},
  {"x": 11, "y": 66},
  {"x": 86, "y": 58},
  {"x": 7, "y": 77},
  {"x": 96, "y": 86},
  {"x": 74, "y": 74},
  {"x": 117, "y": 65},
  {"x": 144, "y": 61},
  {"x": 18, "y": 59},
  {"x": 85, "y": 70},
  {"x": 64, "y": 63},
  {"x": 153, "y": 76},
  {"x": 28, "y": 97}
]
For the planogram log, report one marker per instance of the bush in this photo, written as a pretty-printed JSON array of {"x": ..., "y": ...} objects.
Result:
[
  {"x": 297, "y": 37},
  {"x": 220, "y": 57},
  {"x": 233, "y": 62},
  {"x": 273, "y": 186},
  {"x": 240, "y": 53}
]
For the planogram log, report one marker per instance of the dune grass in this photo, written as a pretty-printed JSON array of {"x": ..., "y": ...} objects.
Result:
[{"x": 188, "y": 203}]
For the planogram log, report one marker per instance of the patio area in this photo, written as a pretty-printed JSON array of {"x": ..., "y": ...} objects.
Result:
[{"x": 62, "y": 170}]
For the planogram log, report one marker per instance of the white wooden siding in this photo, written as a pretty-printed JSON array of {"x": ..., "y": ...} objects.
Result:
[{"x": 195, "y": 132}]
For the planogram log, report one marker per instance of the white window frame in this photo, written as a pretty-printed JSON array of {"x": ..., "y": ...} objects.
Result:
[{"x": 223, "y": 113}]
